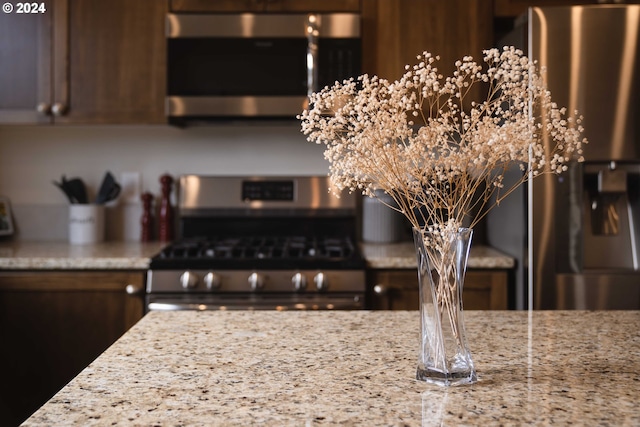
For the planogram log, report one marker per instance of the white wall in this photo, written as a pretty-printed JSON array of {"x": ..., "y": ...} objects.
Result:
[{"x": 32, "y": 156}]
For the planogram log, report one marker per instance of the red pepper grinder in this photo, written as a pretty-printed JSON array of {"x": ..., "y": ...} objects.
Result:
[
  {"x": 146, "y": 221},
  {"x": 165, "y": 233}
]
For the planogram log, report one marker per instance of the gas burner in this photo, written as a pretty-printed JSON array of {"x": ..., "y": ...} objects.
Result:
[{"x": 267, "y": 247}]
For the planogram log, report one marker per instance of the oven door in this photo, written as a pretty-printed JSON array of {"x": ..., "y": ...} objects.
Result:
[{"x": 279, "y": 302}]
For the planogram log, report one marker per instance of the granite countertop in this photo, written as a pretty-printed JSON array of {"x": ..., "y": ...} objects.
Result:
[
  {"x": 63, "y": 256},
  {"x": 403, "y": 255},
  {"x": 356, "y": 368},
  {"x": 133, "y": 256}
]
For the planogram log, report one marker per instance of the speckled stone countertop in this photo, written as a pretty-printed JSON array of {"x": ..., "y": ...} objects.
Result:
[
  {"x": 132, "y": 255},
  {"x": 356, "y": 368},
  {"x": 63, "y": 256},
  {"x": 403, "y": 255}
]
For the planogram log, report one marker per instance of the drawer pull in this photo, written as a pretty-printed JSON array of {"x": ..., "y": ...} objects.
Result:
[
  {"x": 380, "y": 289},
  {"x": 133, "y": 289}
]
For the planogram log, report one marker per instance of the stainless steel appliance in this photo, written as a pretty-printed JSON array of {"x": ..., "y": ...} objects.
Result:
[
  {"x": 584, "y": 226},
  {"x": 255, "y": 65},
  {"x": 272, "y": 243}
]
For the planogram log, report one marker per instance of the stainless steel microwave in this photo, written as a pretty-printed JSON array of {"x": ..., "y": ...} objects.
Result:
[{"x": 255, "y": 65}]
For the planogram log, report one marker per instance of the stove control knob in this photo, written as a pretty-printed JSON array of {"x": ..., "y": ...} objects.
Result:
[
  {"x": 299, "y": 281},
  {"x": 322, "y": 281},
  {"x": 188, "y": 280},
  {"x": 211, "y": 280},
  {"x": 256, "y": 281}
]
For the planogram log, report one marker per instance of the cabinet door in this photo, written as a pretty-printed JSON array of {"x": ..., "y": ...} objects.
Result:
[
  {"x": 485, "y": 290},
  {"x": 52, "y": 325},
  {"x": 239, "y": 6},
  {"x": 398, "y": 290},
  {"x": 395, "y": 31},
  {"x": 229, "y": 6},
  {"x": 25, "y": 65},
  {"x": 113, "y": 55},
  {"x": 313, "y": 5},
  {"x": 395, "y": 290}
]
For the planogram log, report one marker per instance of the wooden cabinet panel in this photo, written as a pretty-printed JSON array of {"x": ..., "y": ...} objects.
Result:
[
  {"x": 238, "y": 6},
  {"x": 117, "y": 62},
  {"x": 84, "y": 61},
  {"x": 395, "y": 31},
  {"x": 398, "y": 290},
  {"x": 485, "y": 290},
  {"x": 52, "y": 325},
  {"x": 313, "y": 5},
  {"x": 25, "y": 65},
  {"x": 216, "y": 6}
]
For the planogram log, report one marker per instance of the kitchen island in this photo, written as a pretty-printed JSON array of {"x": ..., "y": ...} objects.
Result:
[{"x": 356, "y": 368}]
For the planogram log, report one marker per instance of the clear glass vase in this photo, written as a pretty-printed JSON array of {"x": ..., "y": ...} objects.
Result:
[{"x": 444, "y": 356}]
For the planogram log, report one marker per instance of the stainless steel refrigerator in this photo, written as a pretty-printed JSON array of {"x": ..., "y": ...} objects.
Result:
[{"x": 577, "y": 236}]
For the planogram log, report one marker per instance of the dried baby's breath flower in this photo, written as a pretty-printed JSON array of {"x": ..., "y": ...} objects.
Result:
[{"x": 449, "y": 169}]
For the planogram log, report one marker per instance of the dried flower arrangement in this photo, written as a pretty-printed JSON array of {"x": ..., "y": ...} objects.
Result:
[
  {"x": 442, "y": 158},
  {"x": 442, "y": 165}
]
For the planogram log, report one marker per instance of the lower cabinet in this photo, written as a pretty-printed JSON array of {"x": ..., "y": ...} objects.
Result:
[
  {"x": 53, "y": 324},
  {"x": 398, "y": 290}
]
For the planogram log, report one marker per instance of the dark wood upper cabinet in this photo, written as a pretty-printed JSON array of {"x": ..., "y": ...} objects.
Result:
[
  {"x": 117, "y": 61},
  {"x": 25, "y": 65},
  {"x": 238, "y": 6},
  {"x": 396, "y": 31},
  {"x": 85, "y": 62}
]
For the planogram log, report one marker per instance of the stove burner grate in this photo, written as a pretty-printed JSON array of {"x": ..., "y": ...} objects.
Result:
[{"x": 241, "y": 248}]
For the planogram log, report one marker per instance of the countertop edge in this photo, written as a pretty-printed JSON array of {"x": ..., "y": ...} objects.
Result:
[
  {"x": 137, "y": 256},
  {"x": 401, "y": 255}
]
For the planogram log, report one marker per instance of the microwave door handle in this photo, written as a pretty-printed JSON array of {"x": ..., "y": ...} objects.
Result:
[{"x": 313, "y": 31}]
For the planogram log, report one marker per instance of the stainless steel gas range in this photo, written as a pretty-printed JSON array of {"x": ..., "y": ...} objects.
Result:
[{"x": 274, "y": 243}]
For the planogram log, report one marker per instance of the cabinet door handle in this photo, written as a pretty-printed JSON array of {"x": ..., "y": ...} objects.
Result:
[
  {"x": 380, "y": 289},
  {"x": 44, "y": 108},
  {"x": 133, "y": 289},
  {"x": 58, "y": 109}
]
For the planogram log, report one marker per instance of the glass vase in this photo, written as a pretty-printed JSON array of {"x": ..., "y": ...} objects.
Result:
[{"x": 444, "y": 356}]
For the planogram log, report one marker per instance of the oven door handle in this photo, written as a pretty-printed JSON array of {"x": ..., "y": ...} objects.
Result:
[
  {"x": 175, "y": 306},
  {"x": 354, "y": 303}
]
